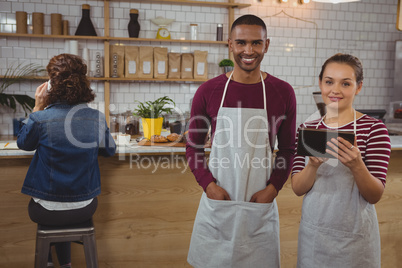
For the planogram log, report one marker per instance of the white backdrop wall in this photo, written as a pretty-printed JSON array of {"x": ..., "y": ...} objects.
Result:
[{"x": 302, "y": 38}]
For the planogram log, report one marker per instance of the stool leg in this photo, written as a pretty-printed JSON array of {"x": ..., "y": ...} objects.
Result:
[
  {"x": 41, "y": 252},
  {"x": 91, "y": 254}
]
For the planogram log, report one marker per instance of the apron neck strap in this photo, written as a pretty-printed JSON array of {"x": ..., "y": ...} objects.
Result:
[
  {"x": 354, "y": 122},
  {"x": 227, "y": 84}
]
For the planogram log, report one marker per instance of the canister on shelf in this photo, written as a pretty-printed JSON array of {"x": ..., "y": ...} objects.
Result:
[
  {"x": 74, "y": 47},
  {"x": 56, "y": 24},
  {"x": 65, "y": 27},
  {"x": 193, "y": 31},
  {"x": 37, "y": 23},
  {"x": 21, "y": 18},
  {"x": 219, "y": 32}
]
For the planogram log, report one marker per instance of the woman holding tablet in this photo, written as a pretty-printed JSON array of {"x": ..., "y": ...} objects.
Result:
[{"x": 339, "y": 226}]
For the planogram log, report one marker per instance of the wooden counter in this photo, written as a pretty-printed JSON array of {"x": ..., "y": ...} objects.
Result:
[
  {"x": 145, "y": 216},
  {"x": 136, "y": 149}
]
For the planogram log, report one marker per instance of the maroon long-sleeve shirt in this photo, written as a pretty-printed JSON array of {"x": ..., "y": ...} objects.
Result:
[{"x": 281, "y": 112}]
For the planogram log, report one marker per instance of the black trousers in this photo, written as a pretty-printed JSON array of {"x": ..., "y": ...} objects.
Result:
[{"x": 40, "y": 215}]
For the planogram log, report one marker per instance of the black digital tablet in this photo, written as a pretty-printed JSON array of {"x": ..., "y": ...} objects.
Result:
[{"x": 313, "y": 142}]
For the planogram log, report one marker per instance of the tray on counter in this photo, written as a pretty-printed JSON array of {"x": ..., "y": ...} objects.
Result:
[{"x": 165, "y": 144}]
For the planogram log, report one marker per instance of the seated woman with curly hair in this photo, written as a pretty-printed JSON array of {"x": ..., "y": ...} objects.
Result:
[{"x": 63, "y": 178}]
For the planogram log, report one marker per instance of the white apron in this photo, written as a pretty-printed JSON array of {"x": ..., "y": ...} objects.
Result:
[
  {"x": 238, "y": 233},
  {"x": 338, "y": 228}
]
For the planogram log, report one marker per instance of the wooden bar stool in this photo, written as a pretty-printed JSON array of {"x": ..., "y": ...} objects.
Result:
[{"x": 83, "y": 233}]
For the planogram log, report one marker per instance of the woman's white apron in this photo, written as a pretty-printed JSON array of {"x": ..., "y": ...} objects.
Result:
[
  {"x": 338, "y": 228},
  {"x": 238, "y": 233}
]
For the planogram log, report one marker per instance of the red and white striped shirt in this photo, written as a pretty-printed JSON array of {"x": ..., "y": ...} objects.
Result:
[{"x": 372, "y": 139}]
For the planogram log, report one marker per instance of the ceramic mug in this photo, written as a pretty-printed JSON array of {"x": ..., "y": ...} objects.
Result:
[{"x": 123, "y": 139}]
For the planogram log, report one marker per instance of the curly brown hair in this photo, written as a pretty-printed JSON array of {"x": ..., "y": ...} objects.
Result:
[{"x": 68, "y": 80}]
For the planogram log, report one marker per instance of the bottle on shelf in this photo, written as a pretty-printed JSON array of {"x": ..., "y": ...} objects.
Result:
[
  {"x": 193, "y": 31},
  {"x": 219, "y": 32},
  {"x": 133, "y": 25},
  {"x": 85, "y": 27}
]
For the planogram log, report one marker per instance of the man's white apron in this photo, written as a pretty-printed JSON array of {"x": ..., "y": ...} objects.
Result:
[{"x": 238, "y": 233}]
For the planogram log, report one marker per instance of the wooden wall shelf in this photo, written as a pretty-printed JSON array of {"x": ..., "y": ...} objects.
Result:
[
  {"x": 153, "y": 80},
  {"x": 165, "y": 40},
  {"x": 191, "y": 3},
  {"x": 123, "y": 79},
  {"x": 110, "y": 38},
  {"x": 52, "y": 36}
]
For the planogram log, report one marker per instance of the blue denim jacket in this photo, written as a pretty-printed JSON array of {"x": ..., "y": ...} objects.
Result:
[{"x": 67, "y": 140}]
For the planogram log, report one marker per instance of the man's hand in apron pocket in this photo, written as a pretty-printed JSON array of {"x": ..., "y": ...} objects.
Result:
[
  {"x": 266, "y": 195},
  {"x": 216, "y": 192}
]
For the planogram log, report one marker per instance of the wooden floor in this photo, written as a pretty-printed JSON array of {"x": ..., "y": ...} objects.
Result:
[{"x": 145, "y": 218}]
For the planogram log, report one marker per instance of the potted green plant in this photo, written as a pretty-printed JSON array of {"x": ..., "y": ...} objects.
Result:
[
  {"x": 227, "y": 65},
  {"x": 150, "y": 112},
  {"x": 16, "y": 75}
]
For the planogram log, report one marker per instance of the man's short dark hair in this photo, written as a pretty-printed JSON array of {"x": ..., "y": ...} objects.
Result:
[{"x": 249, "y": 19}]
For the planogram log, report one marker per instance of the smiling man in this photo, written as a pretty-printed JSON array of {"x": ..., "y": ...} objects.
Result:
[{"x": 237, "y": 223}]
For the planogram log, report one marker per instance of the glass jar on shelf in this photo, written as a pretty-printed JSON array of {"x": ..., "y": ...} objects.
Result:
[
  {"x": 132, "y": 125},
  {"x": 166, "y": 119},
  {"x": 114, "y": 123}
]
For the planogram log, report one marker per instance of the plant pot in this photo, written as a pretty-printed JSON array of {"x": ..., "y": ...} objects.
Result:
[
  {"x": 227, "y": 69},
  {"x": 152, "y": 126}
]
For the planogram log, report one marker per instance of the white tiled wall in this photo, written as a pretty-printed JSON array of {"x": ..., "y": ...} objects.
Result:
[{"x": 302, "y": 37}]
